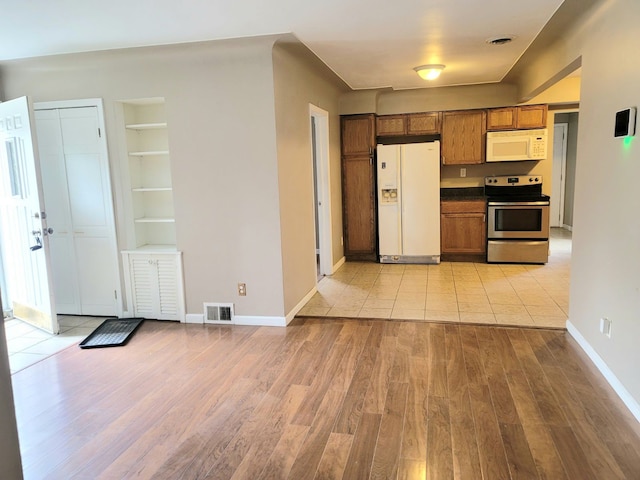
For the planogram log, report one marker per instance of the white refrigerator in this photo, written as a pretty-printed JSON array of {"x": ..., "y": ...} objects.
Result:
[{"x": 408, "y": 183}]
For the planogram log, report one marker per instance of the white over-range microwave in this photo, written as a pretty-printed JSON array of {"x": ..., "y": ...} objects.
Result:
[{"x": 514, "y": 145}]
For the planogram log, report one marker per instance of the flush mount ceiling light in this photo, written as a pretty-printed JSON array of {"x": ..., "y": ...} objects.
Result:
[
  {"x": 429, "y": 72},
  {"x": 500, "y": 39}
]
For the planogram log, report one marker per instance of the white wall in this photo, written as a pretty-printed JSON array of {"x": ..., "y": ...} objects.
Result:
[
  {"x": 301, "y": 79},
  {"x": 10, "y": 463},
  {"x": 605, "y": 268},
  {"x": 221, "y": 116}
]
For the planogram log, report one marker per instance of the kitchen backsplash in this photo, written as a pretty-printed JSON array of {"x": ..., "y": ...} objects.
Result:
[{"x": 474, "y": 174}]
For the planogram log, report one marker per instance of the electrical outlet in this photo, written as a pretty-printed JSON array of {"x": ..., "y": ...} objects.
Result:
[
  {"x": 605, "y": 326},
  {"x": 463, "y": 172},
  {"x": 242, "y": 289}
]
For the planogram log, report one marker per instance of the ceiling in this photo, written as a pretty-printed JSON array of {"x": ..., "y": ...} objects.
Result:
[{"x": 368, "y": 43}]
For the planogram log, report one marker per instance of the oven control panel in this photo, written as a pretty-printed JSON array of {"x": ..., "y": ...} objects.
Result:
[{"x": 513, "y": 180}]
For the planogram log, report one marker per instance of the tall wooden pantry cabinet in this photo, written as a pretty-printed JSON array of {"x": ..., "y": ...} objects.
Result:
[{"x": 358, "y": 186}]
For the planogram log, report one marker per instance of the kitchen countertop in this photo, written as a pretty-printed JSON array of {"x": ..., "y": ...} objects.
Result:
[{"x": 462, "y": 193}]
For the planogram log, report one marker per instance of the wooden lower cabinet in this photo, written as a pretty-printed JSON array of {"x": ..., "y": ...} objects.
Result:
[
  {"x": 358, "y": 190},
  {"x": 463, "y": 229}
]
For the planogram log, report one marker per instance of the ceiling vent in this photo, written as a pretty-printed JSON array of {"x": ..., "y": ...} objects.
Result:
[
  {"x": 218, "y": 313},
  {"x": 500, "y": 40}
]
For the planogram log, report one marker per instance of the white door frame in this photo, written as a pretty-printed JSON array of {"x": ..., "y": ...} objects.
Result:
[
  {"x": 323, "y": 187},
  {"x": 559, "y": 175},
  {"x": 97, "y": 102}
]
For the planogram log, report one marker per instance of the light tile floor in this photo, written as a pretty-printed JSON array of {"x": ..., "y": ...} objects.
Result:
[
  {"x": 506, "y": 294},
  {"x": 28, "y": 344}
]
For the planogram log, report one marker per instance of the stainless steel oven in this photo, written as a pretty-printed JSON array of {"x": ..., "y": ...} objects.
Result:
[{"x": 517, "y": 220}]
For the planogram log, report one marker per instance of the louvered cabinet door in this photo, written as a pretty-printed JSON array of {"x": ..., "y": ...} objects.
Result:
[
  {"x": 166, "y": 267},
  {"x": 155, "y": 286},
  {"x": 144, "y": 286}
]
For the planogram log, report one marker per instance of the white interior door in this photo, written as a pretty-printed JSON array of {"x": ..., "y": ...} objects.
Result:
[
  {"x": 24, "y": 234},
  {"x": 559, "y": 169},
  {"x": 78, "y": 193},
  {"x": 322, "y": 175}
]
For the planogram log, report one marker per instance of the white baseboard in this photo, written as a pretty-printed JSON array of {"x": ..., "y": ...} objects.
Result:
[
  {"x": 194, "y": 318},
  {"x": 623, "y": 393},
  {"x": 260, "y": 321},
  {"x": 294, "y": 311},
  {"x": 241, "y": 320},
  {"x": 567, "y": 227},
  {"x": 338, "y": 264}
]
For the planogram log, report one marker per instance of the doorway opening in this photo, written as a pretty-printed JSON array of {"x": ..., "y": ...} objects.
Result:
[
  {"x": 319, "y": 124},
  {"x": 559, "y": 174},
  {"x": 80, "y": 243},
  {"x": 564, "y": 168}
]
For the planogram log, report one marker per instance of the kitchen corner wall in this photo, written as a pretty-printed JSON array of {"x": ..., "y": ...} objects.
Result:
[
  {"x": 605, "y": 265},
  {"x": 388, "y": 101},
  {"x": 300, "y": 79},
  {"x": 222, "y": 138}
]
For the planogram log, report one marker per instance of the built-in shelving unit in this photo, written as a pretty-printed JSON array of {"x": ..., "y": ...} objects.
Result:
[
  {"x": 149, "y": 173},
  {"x": 152, "y": 264}
]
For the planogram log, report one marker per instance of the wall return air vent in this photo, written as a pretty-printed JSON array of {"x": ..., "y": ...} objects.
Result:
[{"x": 218, "y": 313}]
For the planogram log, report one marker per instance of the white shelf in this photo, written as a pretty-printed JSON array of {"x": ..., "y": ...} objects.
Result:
[
  {"x": 155, "y": 220},
  {"x": 149, "y": 174},
  {"x": 149, "y": 153},
  {"x": 146, "y": 126},
  {"x": 152, "y": 189}
]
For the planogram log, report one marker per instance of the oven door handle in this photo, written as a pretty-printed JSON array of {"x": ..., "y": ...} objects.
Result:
[{"x": 517, "y": 204}]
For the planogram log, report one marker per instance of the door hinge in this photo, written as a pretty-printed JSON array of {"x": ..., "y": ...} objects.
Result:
[
  {"x": 115, "y": 294},
  {"x": 99, "y": 133}
]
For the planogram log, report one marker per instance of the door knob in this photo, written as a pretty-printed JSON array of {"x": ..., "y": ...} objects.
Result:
[{"x": 47, "y": 231}]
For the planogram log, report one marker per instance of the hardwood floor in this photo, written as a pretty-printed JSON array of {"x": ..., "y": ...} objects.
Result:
[{"x": 325, "y": 399}]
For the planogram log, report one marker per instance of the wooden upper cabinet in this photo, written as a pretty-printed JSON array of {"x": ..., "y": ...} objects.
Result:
[
  {"x": 423, "y": 123},
  {"x": 358, "y": 134},
  {"x": 391, "y": 125},
  {"x": 502, "y": 118},
  {"x": 510, "y": 118},
  {"x": 463, "y": 137},
  {"x": 532, "y": 116},
  {"x": 426, "y": 123}
]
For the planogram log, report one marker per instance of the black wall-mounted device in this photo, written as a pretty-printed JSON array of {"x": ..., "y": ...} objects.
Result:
[{"x": 626, "y": 123}]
